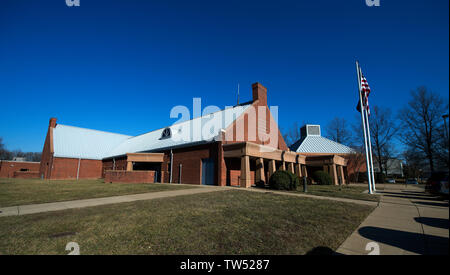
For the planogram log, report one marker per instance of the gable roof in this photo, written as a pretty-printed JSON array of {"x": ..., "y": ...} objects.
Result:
[
  {"x": 74, "y": 142},
  {"x": 319, "y": 144}
]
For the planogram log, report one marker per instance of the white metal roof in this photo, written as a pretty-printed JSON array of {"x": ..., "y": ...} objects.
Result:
[
  {"x": 75, "y": 142},
  {"x": 183, "y": 133},
  {"x": 319, "y": 144}
]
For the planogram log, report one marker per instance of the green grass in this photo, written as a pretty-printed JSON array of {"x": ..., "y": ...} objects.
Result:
[
  {"x": 345, "y": 191},
  {"x": 223, "y": 222},
  {"x": 29, "y": 191}
]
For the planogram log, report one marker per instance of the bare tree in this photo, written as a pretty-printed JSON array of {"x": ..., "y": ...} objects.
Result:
[
  {"x": 4, "y": 153},
  {"x": 292, "y": 135},
  {"x": 355, "y": 162},
  {"x": 421, "y": 121},
  {"x": 382, "y": 131},
  {"x": 337, "y": 130}
]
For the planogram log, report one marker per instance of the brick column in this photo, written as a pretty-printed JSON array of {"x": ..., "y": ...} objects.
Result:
[
  {"x": 291, "y": 167},
  {"x": 129, "y": 166},
  {"x": 298, "y": 170},
  {"x": 342, "y": 175},
  {"x": 246, "y": 180},
  {"x": 272, "y": 167},
  {"x": 304, "y": 170},
  {"x": 260, "y": 175},
  {"x": 333, "y": 174}
]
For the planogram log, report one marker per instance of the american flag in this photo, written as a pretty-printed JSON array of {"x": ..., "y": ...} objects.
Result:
[{"x": 365, "y": 91}]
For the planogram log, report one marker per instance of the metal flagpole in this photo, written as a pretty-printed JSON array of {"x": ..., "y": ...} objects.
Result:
[
  {"x": 369, "y": 142},
  {"x": 369, "y": 179}
]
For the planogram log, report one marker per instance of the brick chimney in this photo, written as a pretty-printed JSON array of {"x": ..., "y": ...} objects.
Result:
[
  {"x": 52, "y": 122},
  {"x": 259, "y": 93}
]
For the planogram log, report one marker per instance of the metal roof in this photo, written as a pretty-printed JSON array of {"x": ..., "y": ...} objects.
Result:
[
  {"x": 75, "y": 142},
  {"x": 319, "y": 144},
  {"x": 183, "y": 133}
]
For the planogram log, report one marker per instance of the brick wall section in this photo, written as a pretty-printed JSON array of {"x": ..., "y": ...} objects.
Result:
[
  {"x": 119, "y": 163},
  {"x": 242, "y": 123},
  {"x": 27, "y": 174},
  {"x": 191, "y": 160},
  {"x": 7, "y": 168},
  {"x": 129, "y": 176},
  {"x": 66, "y": 168},
  {"x": 47, "y": 151}
]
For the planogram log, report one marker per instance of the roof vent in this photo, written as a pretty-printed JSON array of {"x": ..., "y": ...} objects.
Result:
[
  {"x": 166, "y": 133},
  {"x": 310, "y": 130}
]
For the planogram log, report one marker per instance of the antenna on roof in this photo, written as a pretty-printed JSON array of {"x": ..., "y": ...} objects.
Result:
[{"x": 238, "y": 95}]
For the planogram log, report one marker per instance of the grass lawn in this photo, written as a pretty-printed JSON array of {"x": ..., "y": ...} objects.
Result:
[
  {"x": 346, "y": 191},
  {"x": 223, "y": 222},
  {"x": 29, "y": 191}
]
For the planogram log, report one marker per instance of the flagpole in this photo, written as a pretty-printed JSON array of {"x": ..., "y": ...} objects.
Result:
[
  {"x": 369, "y": 142},
  {"x": 370, "y": 152},
  {"x": 369, "y": 179}
]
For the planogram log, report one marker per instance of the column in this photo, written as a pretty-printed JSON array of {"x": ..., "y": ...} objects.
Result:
[
  {"x": 333, "y": 174},
  {"x": 283, "y": 166},
  {"x": 272, "y": 167},
  {"x": 260, "y": 175},
  {"x": 291, "y": 167},
  {"x": 298, "y": 170},
  {"x": 341, "y": 169},
  {"x": 129, "y": 166},
  {"x": 246, "y": 181},
  {"x": 304, "y": 170}
]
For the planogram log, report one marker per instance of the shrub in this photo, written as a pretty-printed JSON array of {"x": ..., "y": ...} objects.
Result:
[
  {"x": 322, "y": 178},
  {"x": 284, "y": 180}
]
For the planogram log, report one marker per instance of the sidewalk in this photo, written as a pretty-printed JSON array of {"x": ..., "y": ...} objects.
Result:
[
  {"x": 407, "y": 221},
  {"x": 56, "y": 206}
]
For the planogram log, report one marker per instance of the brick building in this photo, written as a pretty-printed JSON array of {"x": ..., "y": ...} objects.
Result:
[{"x": 238, "y": 146}]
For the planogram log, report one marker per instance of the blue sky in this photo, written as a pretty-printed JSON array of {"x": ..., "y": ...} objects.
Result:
[{"x": 121, "y": 66}]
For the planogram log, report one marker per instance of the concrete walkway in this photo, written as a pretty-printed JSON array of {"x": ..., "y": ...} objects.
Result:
[
  {"x": 56, "y": 206},
  {"x": 407, "y": 221},
  {"x": 303, "y": 195}
]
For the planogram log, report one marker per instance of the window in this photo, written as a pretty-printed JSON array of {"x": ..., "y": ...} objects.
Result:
[{"x": 166, "y": 133}]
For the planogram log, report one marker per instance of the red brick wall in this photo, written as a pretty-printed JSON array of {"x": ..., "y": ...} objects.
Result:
[
  {"x": 27, "y": 174},
  {"x": 47, "y": 155},
  {"x": 66, "y": 168},
  {"x": 191, "y": 160},
  {"x": 7, "y": 168},
  {"x": 108, "y": 164},
  {"x": 243, "y": 121},
  {"x": 129, "y": 176}
]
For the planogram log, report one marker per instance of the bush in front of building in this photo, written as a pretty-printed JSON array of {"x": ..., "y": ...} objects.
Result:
[
  {"x": 284, "y": 180},
  {"x": 322, "y": 178}
]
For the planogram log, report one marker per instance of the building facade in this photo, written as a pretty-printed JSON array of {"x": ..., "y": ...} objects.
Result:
[{"x": 237, "y": 146}]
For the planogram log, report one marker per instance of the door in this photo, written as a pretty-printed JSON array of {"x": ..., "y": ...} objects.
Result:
[{"x": 208, "y": 171}]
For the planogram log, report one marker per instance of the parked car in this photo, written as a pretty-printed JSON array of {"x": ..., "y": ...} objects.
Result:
[
  {"x": 436, "y": 181},
  {"x": 411, "y": 181},
  {"x": 390, "y": 180}
]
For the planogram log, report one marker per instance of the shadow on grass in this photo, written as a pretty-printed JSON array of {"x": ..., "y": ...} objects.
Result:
[
  {"x": 412, "y": 242},
  {"x": 434, "y": 222}
]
